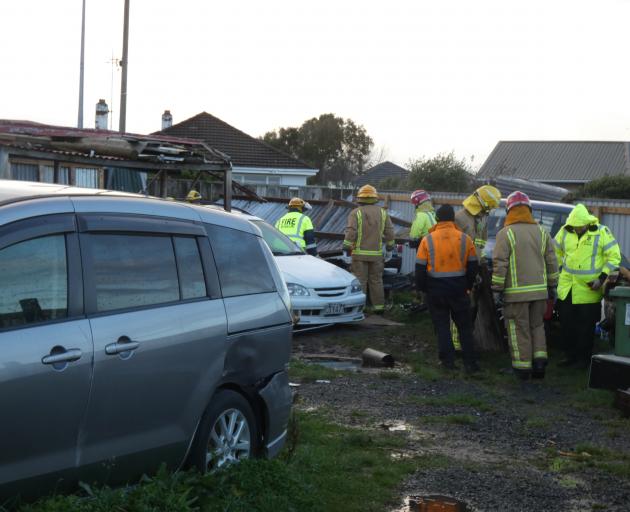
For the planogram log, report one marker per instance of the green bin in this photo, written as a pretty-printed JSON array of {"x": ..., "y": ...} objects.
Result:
[{"x": 621, "y": 296}]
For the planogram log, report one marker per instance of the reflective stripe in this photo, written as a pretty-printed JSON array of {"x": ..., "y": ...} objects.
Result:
[
  {"x": 347, "y": 243},
  {"x": 438, "y": 275},
  {"x": 512, "y": 242},
  {"x": 379, "y": 307},
  {"x": 543, "y": 249},
  {"x": 359, "y": 228},
  {"x": 609, "y": 245},
  {"x": 522, "y": 365},
  {"x": 540, "y": 354},
  {"x": 498, "y": 279},
  {"x": 383, "y": 218},
  {"x": 420, "y": 261},
  {"x": 594, "y": 253},
  {"x": 364, "y": 252},
  {"x": 553, "y": 275},
  {"x": 526, "y": 289},
  {"x": 516, "y": 355},
  {"x": 480, "y": 242},
  {"x": 576, "y": 272},
  {"x": 610, "y": 266},
  {"x": 429, "y": 238},
  {"x": 311, "y": 246}
]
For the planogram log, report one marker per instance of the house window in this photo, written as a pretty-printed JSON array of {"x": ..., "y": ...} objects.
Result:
[{"x": 44, "y": 171}]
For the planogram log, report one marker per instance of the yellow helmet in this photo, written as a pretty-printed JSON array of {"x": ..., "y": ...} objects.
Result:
[
  {"x": 485, "y": 198},
  {"x": 193, "y": 195},
  {"x": 367, "y": 193},
  {"x": 296, "y": 202}
]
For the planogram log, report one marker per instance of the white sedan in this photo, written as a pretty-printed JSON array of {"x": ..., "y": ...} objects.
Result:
[{"x": 321, "y": 293}]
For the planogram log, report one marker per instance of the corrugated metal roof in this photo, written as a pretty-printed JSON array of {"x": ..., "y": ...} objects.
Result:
[
  {"x": 556, "y": 161},
  {"x": 535, "y": 191}
]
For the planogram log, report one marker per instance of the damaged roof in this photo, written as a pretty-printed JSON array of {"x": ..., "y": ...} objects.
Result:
[{"x": 109, "y": 145}]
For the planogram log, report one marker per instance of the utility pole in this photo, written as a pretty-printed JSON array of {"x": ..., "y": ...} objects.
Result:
[
  {"x": 81, "y": 68},
  {"x": 123, "y": 80}
]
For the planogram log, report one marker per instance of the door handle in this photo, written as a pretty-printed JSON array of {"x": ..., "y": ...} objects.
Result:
[
  {"x": 67, "y": 356},
  {"x": 123, "y": 345}
]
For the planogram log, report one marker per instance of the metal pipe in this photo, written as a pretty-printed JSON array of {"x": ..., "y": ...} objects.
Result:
[
  {"x": 373, "y": 357},
  {"x": 81, "y": 68},
  {"x": 122, "y": 122}
]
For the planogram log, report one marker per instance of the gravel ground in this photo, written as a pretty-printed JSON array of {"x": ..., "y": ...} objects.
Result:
[{"x": 511, "y": 448}]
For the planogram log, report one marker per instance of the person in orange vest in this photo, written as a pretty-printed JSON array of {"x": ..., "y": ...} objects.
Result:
[{"x": 446, "y": 267}]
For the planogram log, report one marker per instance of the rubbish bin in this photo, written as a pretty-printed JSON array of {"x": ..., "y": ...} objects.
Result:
[{"x": 621, "y": 296}]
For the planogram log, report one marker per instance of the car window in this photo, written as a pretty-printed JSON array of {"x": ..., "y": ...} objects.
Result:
[
  {"x": 34, "y": 281},
  {"x": 240, "y": 262},
  {"x": 550, "y": 220},
  {"x": 495, "y": 221},
  {"x": 132, "y": 270},
  {"x": 191, "y": 279},
  {"x": 280, "y": 244}
]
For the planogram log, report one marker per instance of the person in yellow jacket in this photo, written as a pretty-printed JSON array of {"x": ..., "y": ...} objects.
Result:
[
  {"x": 587, "y": 253},
  {"x": 298, "y": 226},
  {"x": 524, "y": 275},
  {"x": 425, "y": 217},
  {"x": 472, "y": 219},
  {"x": 368, "y": 227}
]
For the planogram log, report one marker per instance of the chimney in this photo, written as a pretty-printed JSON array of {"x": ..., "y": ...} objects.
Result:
[
  {"x": 102, "y": 111},
  {"x": 167, "y": 120}
]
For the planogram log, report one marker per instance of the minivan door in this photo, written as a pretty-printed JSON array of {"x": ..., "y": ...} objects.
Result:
[
  {"x": 45, "y": 353},
  {"x": 159, "y": 331}
]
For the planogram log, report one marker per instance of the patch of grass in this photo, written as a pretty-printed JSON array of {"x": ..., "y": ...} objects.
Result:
[
  {"x": 536, "y": 422},
  {"x": 452, "y": 419},
  {"x": 587, "y": 399},
  {"x": 568, "y": 482},
  {"x": 389, "y": 375},
  {"x": 331, "y": 469},
  {"x": 587, "y": 455},
  {"x": 455, "y": 400},
  {"x": 310, "y": 372}
]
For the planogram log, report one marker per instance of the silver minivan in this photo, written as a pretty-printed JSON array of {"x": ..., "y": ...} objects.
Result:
[{"x": 134, "y": 332}]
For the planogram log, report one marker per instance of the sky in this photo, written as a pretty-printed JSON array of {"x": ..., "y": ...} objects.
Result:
[{"x": 423, "y": 77}]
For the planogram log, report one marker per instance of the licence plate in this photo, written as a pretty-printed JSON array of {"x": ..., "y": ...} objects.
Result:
[{"x": 333, "y": 309}]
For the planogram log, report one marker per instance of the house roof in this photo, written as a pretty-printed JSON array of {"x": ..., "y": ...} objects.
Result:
[
  {"x": 557, "y": 161},
  {"x": 380, "y": 172},
  {"x": 244, "y": 150}
]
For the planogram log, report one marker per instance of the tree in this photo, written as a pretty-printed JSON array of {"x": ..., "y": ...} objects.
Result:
[
  {"x": 443, "y": 173},
  {"x": 338, "y": 147},
  {"x": 612, "y": 187}
]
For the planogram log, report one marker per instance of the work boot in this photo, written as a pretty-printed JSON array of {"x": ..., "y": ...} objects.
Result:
[{"x": 538, "y": 368}]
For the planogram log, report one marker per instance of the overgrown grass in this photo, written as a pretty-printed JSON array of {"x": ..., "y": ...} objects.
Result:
[
  {"x": 328, "y": 470},
  {"x": 587, "y": 455}
]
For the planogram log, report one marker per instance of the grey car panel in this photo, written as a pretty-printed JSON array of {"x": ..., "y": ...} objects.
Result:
[
  {"x": 277, "y": 397},
  {"x": 253, "y": 312},
  {"x": 42, "y": 405},
  {"x": 149, "y": 399},
  {"x": 34, "y": 208},
  {"x": 134, "y": 206}
]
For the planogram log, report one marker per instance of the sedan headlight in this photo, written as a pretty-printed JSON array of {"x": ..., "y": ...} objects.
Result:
[
  {"x": 355, "y": 286},
  {"x": 297, "y": 290}
]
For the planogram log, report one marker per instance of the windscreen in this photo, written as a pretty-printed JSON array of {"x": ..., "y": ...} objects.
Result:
[{"x": 279, "y": 244}]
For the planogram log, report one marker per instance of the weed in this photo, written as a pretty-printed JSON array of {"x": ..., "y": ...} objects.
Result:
[
  {"x": 536, "y": 422},
  {"x": 310, "y": 372}
]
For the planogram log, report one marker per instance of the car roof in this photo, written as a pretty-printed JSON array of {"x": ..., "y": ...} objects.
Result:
[{"x": 91, "y": 200}]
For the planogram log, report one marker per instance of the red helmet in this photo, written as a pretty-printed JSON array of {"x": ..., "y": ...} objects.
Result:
[
  {"x": 420, "y": 196},
  {"x": 517, "y": 198}
]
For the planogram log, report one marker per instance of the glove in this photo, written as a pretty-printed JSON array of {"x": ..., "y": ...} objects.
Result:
[
  {"x": 498, "y": 299},
  {"x": 595, "y": 284},
  {"x": 552, "y": 293},
  {"x": 388, "y": 256},
  {"x": 346, "y": 259}
]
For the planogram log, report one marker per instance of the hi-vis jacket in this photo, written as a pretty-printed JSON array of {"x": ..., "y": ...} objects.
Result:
[
  {"x": 586, "y": 258},
  {"x": 424, "y": 221},
  {"x": 446, "y": 262},
  {"x": 299, "y": 228},
  {"x": 475, "y": 226},
  {"x": 524, "y": 264},
  {"x": 368, "y": 226}
]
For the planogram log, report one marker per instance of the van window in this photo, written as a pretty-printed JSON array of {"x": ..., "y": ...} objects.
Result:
[
  {"x": 240, "y": 262},
  {"x": 132, "y": 270},
  {"x": 34, "y": 281},
  {"x": 191, "y": 280}
]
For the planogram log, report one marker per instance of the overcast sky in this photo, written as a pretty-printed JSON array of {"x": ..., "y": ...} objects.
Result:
[{"x": 423, "y": 77}]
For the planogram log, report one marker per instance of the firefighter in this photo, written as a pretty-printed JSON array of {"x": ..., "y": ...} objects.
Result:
[
  {"x": 193, "y": 197},
  {"x": 587, "y": 253},
  {"x": 368, "y": 227},
  {"x": 425, "y": 217},
  {"x": 298, "y": 226},
  {"x": 446, "y": 267},
  {"x": 524, "y": 276},
  {"x": 472, "y": 219}
]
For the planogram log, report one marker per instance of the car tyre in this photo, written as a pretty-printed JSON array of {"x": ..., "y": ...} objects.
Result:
[{"x": 227, "y": 433}]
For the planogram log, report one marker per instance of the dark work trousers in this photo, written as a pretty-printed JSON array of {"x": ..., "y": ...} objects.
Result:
[
  {"x": 442, "y": 309},
  {"x": 578, "y": 328}
]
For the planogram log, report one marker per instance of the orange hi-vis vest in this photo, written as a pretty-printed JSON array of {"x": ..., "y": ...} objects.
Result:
[{"x": 446, "y": 251}]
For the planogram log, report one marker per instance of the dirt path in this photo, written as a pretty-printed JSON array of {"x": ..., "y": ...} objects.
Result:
[{"x": 503, "y": 447}]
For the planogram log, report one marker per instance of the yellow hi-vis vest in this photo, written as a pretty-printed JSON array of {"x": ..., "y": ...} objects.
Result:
[
  {"x": 583, "y": 260},
  {"x": 293, "y": 225}
]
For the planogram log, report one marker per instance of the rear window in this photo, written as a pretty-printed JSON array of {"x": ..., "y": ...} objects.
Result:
[{"x": 240, "y": 260}]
